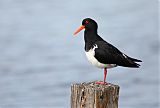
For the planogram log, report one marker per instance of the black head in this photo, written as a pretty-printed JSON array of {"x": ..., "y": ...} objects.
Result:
[{"x": 89, "y": 24}]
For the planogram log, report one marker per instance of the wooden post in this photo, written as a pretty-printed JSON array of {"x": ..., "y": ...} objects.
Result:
[{"x": 91, "y": 95}]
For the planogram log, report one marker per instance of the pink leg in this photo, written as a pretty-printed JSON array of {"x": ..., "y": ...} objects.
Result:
[{"x": 105, "y": 75}]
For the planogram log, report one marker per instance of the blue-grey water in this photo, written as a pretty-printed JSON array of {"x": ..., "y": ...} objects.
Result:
[{"x": 40, "y": 57}]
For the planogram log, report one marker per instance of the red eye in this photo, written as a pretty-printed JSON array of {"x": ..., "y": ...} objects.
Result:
[{"x": 86, "y": 22}]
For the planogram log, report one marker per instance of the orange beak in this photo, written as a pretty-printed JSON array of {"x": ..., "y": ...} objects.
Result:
[{"x": 79, "y": 29}]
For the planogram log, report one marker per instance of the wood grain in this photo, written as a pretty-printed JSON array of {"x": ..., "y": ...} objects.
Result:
[{"x": 91, "y": 95}]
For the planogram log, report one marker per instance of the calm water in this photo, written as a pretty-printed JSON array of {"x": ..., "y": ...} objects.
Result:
[{"x": 40, "y": 58}]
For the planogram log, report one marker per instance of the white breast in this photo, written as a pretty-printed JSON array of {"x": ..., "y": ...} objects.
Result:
[{"x": 90, "y": 56}]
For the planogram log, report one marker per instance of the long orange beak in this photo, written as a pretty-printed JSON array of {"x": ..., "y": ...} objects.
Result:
[{"x": 79, "y": 29}]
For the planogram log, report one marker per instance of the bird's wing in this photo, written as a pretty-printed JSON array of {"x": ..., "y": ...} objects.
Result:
[{"x": 108, "y": 54}]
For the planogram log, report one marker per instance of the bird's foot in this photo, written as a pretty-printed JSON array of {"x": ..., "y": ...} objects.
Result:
[{"x": 102, "y": 82}]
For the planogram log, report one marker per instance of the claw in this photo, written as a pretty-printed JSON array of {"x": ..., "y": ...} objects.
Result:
[{"x": 102, "y": 83}]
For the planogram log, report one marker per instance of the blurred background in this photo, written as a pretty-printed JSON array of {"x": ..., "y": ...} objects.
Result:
[{"x": 40, "y": 57}]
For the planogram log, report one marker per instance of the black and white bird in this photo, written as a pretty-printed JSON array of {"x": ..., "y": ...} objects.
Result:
[{"x": 101, "y": 53}]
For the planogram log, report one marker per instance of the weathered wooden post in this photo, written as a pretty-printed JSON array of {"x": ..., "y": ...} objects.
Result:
[{"x": 92, "y": 95}]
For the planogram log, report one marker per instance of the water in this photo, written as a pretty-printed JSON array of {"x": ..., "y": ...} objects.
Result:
[{"x": 40, "y": 58}]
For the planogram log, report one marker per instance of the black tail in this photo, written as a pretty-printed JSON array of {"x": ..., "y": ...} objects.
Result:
[
  {"x": 133, "y": 59},
  {"x": 133, "y": 63},
  {"x": 130, "y": 62}
]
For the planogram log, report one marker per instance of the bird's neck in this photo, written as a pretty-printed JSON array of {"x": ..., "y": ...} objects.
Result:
[
  {"x": 90, "y": 31},
  {"x": 90, "y": 37}
]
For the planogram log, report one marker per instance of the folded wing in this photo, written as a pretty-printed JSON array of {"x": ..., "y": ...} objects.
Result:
[{"x": 108, "y": 54}]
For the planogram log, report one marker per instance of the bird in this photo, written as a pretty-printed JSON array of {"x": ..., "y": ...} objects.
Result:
[{"x": 100, "y": 53}]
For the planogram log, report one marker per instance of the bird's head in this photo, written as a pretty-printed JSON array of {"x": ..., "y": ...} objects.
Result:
[{"x": 87, "y": 24}]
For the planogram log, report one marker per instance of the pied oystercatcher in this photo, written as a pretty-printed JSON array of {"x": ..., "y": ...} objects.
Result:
[{"x": 101, "y": 53}]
